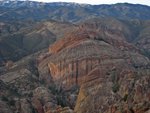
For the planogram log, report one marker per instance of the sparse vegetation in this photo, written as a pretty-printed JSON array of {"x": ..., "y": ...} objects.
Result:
[
  {"x": 115, "y": 87},
  {"x": 58, "y": 92},
  {"x": 11, "y": 102},
  {"x": 114, "y": 77},
  {"x": 125, "y": 97},
  {"x": 4, "y": 98},
  {"x": 32, "y": 67},
  {"x": 103, "y": 59},
  {"x": 30, "y": 94},
  {"x": 53, "y": 89},
  {"x": 61, "y": 100},
  {"x": 34, "y": 110}
]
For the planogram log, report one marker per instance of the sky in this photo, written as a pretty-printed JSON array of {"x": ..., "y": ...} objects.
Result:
[{"x": 145, "y": 2}]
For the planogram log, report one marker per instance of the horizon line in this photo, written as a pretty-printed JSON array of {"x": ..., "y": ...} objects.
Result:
[{"x": 81, "y": 3}]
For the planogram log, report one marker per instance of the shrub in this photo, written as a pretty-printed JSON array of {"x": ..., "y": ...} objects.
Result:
[
  {"x": 125, "y": 97},
  {"x": 11, "y": 102},
  {"x": 61, "y": 100},
  {"x": 115, "y": 87},
  {"x": 4, "y": 98},
  {"x": 53, "y": 89}
]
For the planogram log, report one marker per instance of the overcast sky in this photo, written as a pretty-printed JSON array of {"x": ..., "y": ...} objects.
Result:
[{"x": 146, "y": 2}]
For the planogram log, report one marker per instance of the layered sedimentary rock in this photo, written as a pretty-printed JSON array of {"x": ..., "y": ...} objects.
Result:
[
  {"x": 95, "y": 65},
  {"x": 112, "y": 73},
  {"x": 119, "y": 89},
  {"x": 74, "y": 56}
]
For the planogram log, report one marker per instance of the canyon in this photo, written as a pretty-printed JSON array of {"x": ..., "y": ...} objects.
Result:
[{"x": 92, "y": 62}]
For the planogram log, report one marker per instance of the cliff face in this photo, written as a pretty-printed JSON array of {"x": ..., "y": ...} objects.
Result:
[
  {"x": 98, "y": 67},
  {"x": 74, "y": 56},
  {"x": 112, "y": 73},
  {"x": 118, "y": 90}
]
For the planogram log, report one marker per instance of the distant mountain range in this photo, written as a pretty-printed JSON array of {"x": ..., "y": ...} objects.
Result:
[
  {"x": 72, "y": 12},
  {"x": 25, "y": 21},
  {"x": 74, "y": 58}
]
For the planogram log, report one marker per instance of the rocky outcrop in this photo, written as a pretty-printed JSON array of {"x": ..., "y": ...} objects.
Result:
[
  {"x": 112, "y": 73},
  {"x": 43, "y": 100},
  {"x": 117, "y": 90},
  {"x": 25, "y": 106},
  {"x": 93, "y": 69},
  {"x": 22, "y": 80},
  {"x": 21, "y": 38},
  {"x": 76, "y": 55},
  {"x": 4, "y": 108}
]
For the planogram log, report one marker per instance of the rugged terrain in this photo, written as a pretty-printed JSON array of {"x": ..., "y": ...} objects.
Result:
[
  {"x": 113, "y": 74},
  {"x": 98, "y": 64},
  {"x": 69, "y": 12},
  {"x": 18, "y": 39}
]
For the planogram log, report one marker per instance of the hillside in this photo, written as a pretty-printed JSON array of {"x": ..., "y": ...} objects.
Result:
[
  {"x": 69, "y": 12},
  {"x": 74, "y": 58},
  {"x": 25, "y": 24},
  {"x": 98, "y": 53},
  {"x": 26, "y": 37}
]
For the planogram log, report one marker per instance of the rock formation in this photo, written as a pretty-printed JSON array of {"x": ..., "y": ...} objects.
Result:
[
  {"x": 77, "y": 54},
  {"x": 98, "y": 67},
  {"x": 112, "y": 73}
]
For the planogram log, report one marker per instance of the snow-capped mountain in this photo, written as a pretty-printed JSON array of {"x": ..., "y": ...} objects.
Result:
[
  {"x": 72, "y": 12},
  {"x": 20, "y": 3},
  {"x": 28, "y": 3}
]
